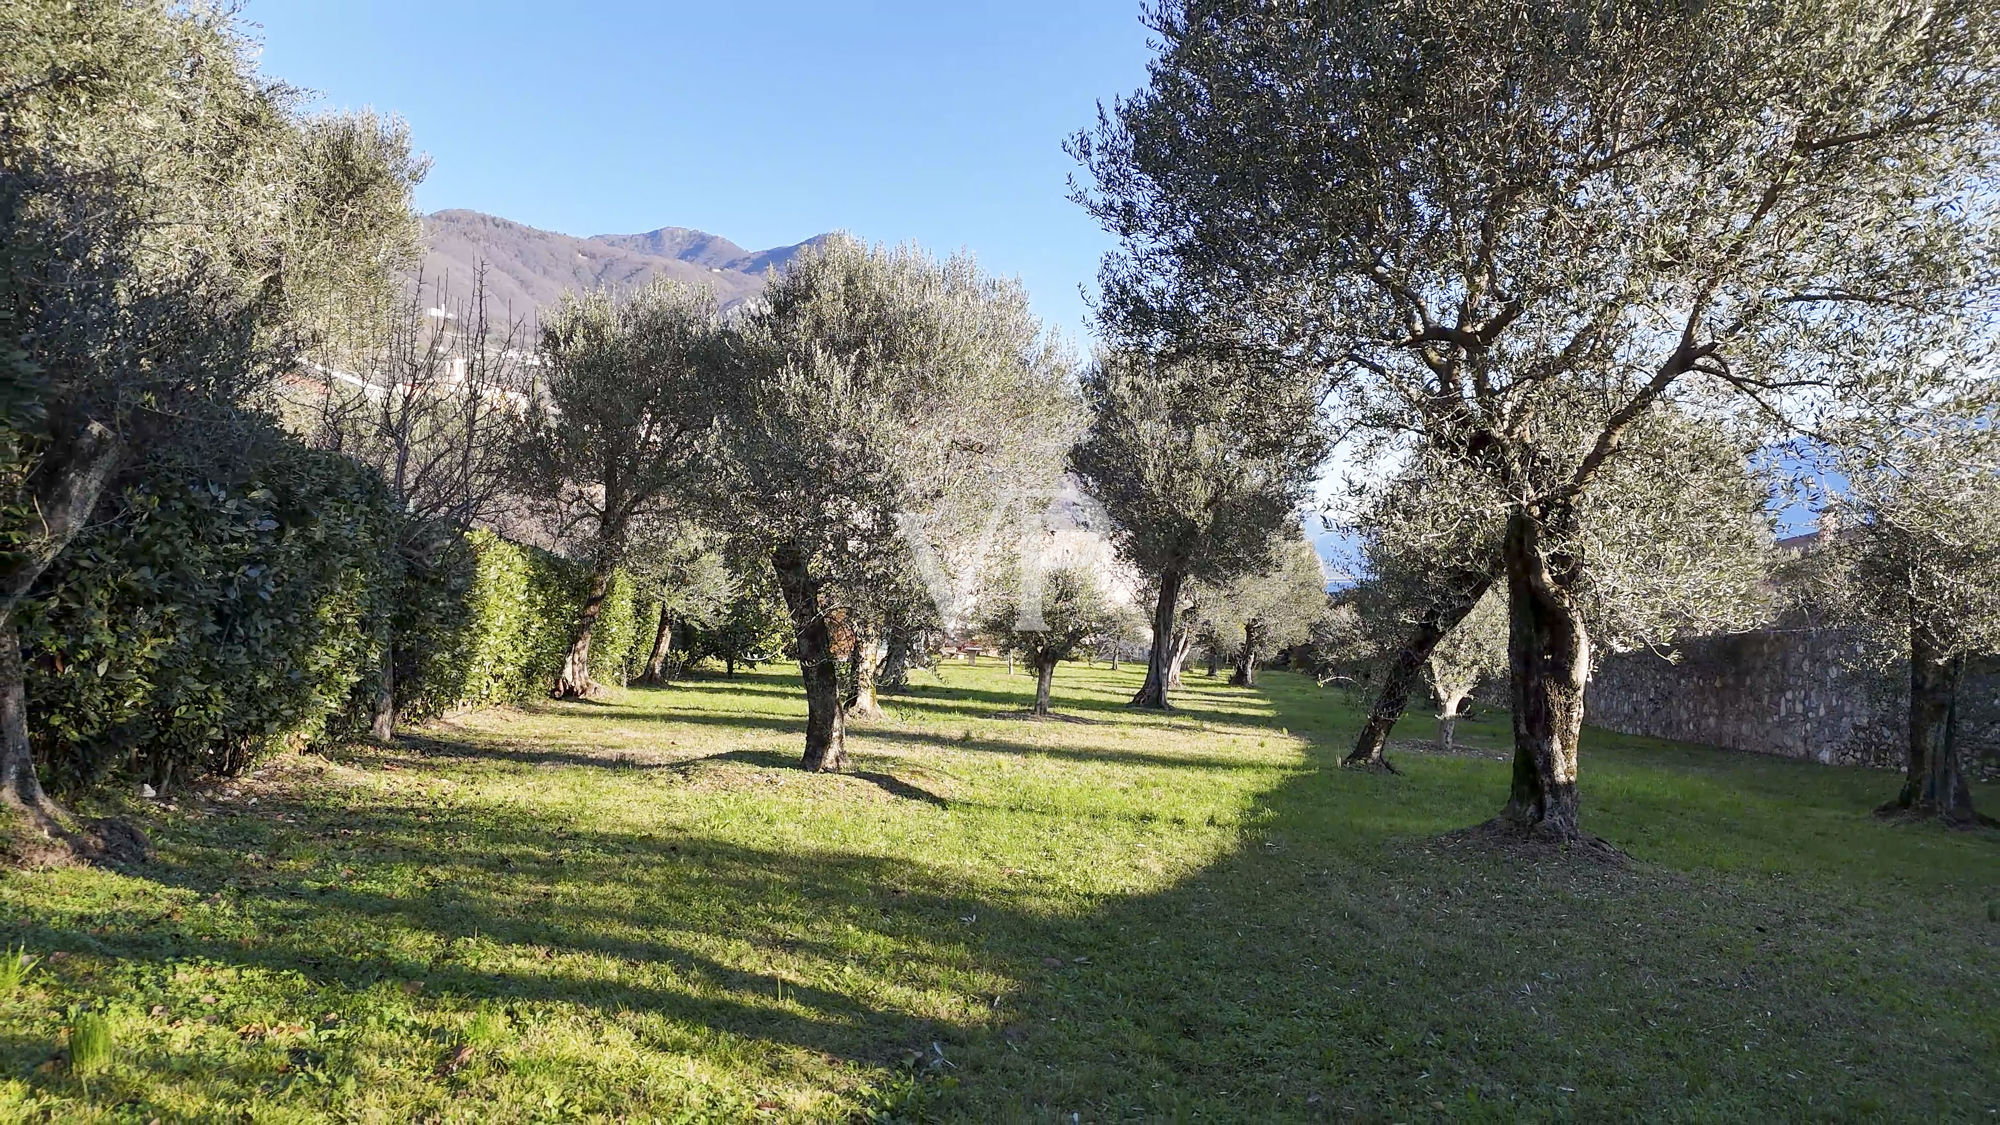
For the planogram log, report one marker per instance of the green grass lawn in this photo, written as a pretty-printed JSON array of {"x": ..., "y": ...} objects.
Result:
[{"x": 636, "y": 909}]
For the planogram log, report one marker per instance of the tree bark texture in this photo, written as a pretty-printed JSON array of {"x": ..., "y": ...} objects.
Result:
[
  {"x": 1183, "y": 648},
  {"x": 862, "y": 670},
  {"x": 1449, "y": 712},
  {"x": 1246, "y": 661},
  {"x": 1407, "y": 670},
  {"x": 574, "y": 681},
  {"x": 1934, "y": 782},
  {"x": 1159, "y": 662},
  {"x": 1548, "y": 650},
  {"x": 64, "y": 502},
  {"x": 826, "y": 720},
  {"x": 382, "y": 724},
  {"x": 1045, "y": 677},
  {"x": 663, "y": 645},
  {"x": 894, "y": 673}
]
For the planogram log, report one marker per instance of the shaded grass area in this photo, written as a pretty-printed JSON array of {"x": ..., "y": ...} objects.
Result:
[{"x": 640, "y": 910}]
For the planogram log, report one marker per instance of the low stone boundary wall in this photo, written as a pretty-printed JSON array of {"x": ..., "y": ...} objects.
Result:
[{"x": 1798, "y": 693}]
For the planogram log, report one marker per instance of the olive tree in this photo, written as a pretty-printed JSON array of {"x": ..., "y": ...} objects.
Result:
[
  {"x": 622, "y": 425},
  {"x": 1260, "y": 614},
  {"x": 874, "y": 389},
  {"x": 1918, "y": 564},
  {"x": 172, "y": 233},
  {"x": 1465, "y": 657},
  {"x": 1516, "y": 230},
  {"x": 1673, "y": 540},
  {"x": 684, "y": 575},
  {"x": 1201, "y": 465},
  {"x": 1063, "y": 617}
]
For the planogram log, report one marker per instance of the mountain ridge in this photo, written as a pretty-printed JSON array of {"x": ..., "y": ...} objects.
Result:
[{"x": 527, "y": 268}]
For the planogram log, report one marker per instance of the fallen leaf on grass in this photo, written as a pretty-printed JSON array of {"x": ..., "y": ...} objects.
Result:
[{"x": 456, "y": 1061}]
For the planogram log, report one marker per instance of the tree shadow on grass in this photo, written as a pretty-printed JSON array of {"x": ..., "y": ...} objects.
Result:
[
  {"x": 611, "y": 921},
  {"x": 1340, "y": 964},
  {"x": 1332, "y": 965}
]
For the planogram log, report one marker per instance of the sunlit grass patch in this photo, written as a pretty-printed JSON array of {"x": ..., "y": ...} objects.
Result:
[{"x": 639, "y": 908}]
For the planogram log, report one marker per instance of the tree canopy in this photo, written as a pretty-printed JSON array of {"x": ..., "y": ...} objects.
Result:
[{"x": 1515, "y": 230}]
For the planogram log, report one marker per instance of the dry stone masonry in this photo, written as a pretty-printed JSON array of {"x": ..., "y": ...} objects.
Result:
[{"x": 1798, "y": 693}]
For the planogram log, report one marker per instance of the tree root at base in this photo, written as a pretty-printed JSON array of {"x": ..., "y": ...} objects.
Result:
[{"x": 1532, "y": 843}]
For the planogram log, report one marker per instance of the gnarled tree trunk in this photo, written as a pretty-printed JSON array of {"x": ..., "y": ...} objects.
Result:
[
  {"x": 663, "y": 645},
  {"x": 1183, "y": 648},
  {"x": 894, "y": 672},
  {"x": 1160, "y": 668},
  {"x": 1407, "y": 670},
  {"x": 382, "y": 724},
  {"x": 20, "y": 787},
  {"x": 1246, "y": 661},
  {"x": 861, "y": 670},
  {"x": 1450, "y": 710},
  {"x": 826, "y": 720},
  {"x": 63, "y": 503},
  {"x": 1548, "y": 650},
  {"x": 1934, "y": 783},
  {"x": 574, "y": 682},
  {"x": 1045, "y": 676}
]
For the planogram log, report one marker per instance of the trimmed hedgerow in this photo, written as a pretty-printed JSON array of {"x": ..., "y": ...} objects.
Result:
[
  {"x": 505, "y": 628},
  {"x": 195, "y": 628}
]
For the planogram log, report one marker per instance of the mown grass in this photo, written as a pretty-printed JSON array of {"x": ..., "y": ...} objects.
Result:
[{"x": 636, "y": 909}]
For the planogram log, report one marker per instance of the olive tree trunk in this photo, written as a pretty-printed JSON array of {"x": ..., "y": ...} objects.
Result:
[
  {"x": 1407, "y": 670},
  {"x": 1450, "y": 710},
  {"x": 861, "y": 672},
  {"x": 1934, "y": 783},
  {"x": 574, "y": 682},
  {"x": 663, "y": 645},
  {"x": 20, "y": 786},
  {"x": 1183, "y": 648},
  {"x": 1045, "y": 676},
  {"x": 382, "y": 723},
  {"x": 62, "y": 504},
  {"x": 826, "y": 720},
  {"x": 1548, "y": 651},
  {"x": 894, "y": 672},
  {"x": 1246, "y": 661},
  {"x": 1160, "y": 663}
]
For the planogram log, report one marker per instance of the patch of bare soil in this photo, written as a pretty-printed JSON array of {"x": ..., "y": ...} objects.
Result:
[
  {"x": 107, "y": 841},
  {"x": 1529, "y": 845}
]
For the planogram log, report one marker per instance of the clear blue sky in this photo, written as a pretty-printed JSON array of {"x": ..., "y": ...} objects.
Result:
[{"x": 940, "y": 121}]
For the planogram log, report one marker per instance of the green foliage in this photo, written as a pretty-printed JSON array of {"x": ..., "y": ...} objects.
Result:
[
  {"x": 1047, "y": 626},
  {"x": 504, "y": 638},
  {"x": 202, "y": 626},
  {"x": 90, "y": 1043},
  {"x": 615, "y": 638},
  {"x": 1270, "y": 610},
  {"x": 751, "y": 626},
  {"x": 15, "y": 965}
]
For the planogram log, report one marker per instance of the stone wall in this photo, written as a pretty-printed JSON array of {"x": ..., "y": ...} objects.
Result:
[{"x": 1799, "y": 693}]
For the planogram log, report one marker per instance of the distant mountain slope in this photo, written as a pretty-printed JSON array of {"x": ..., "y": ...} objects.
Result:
[{"x": 528, "y": 269}]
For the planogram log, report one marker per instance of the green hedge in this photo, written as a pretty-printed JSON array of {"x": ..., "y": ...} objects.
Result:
[
  {"x": 194, "y": 629},
  {"x": 515, "y": 614}
]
